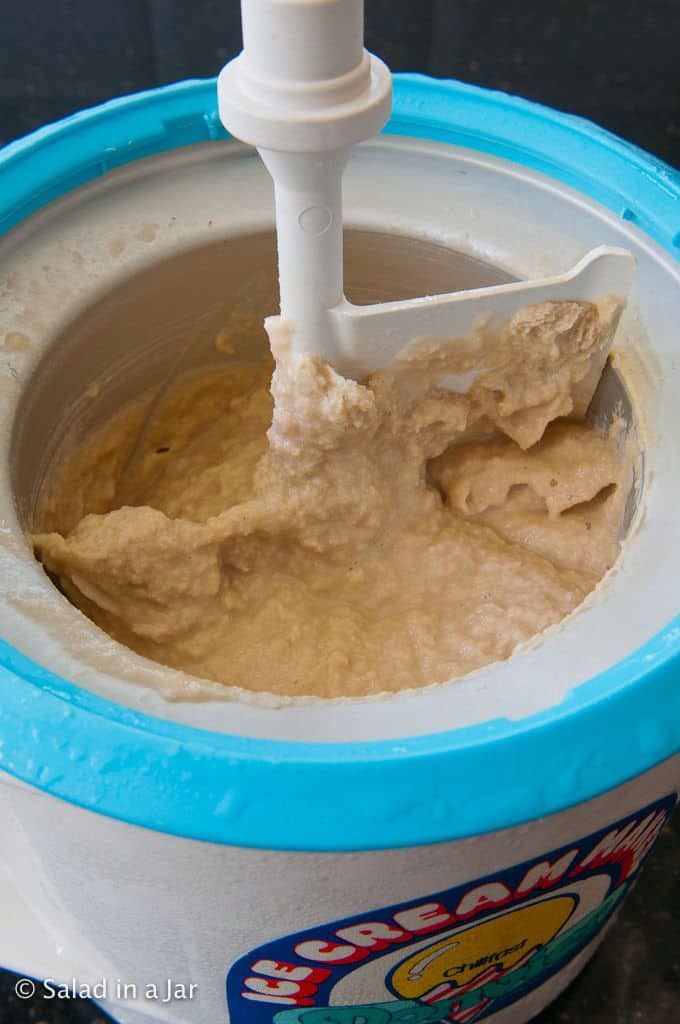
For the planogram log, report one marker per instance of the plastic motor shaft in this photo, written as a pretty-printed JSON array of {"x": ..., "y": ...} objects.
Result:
[{"x": 303, "y": 91}]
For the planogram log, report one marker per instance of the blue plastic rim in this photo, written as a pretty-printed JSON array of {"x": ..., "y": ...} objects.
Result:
[{"x": 343, "y": 796}]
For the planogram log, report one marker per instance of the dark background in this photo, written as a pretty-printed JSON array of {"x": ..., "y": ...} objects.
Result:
[{"x": 615, "y": 63}]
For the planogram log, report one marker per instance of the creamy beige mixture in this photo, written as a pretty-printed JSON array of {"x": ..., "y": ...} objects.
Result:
[{"x": 370, "y": 537}]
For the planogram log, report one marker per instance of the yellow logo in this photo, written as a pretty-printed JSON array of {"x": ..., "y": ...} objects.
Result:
[{"x": 494, "y": 946}]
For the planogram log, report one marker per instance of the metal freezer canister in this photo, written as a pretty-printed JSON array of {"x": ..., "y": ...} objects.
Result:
[{"x": 454, "y": 854}]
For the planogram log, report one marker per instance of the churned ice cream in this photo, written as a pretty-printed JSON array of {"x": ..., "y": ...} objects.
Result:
[{"x": 302, "y": 533}]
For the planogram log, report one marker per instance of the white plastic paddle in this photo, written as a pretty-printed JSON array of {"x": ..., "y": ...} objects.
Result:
[{"x": 303, "y": 91}]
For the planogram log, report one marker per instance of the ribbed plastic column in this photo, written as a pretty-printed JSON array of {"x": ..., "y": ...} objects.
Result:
[{"x": 303, "y": 91}]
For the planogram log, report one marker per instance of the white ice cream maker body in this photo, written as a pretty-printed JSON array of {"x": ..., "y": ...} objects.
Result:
[{"x": 453, "y": 854}]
